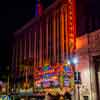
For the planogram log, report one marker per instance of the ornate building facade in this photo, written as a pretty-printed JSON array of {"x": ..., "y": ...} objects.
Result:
[
  {"x": 88, "y": 51},
  {"x": 49, "y": 39}
]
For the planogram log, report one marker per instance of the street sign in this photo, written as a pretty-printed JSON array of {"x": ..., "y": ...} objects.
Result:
[{"x": 77, "y": 78}]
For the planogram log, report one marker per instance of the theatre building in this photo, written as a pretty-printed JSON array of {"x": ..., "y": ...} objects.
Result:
[
  {"x": 47, "y": 40},
  {"x": 42, "y": 48}
]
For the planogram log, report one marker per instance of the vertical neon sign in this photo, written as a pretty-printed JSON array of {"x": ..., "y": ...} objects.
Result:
[{"x": 71, "y": 26}]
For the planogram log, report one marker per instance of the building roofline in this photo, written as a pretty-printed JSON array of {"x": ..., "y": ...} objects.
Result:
[
  {"x": 34, "y": 19},
  {"x": 89, "y": 34}
]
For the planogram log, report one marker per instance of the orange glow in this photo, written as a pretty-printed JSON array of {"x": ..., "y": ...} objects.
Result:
[
  {"x": 81, "y": 42},
  {"x": 57, "y": 35},
  {"x": 65, "y": 64},
  {"x": 46, "y": 62},
  {"x": 62, "y": 34},
  {"x": 55, "y": 77},
  {"x": 47, "y": 38},
  {"x": 71, "y": 26}
]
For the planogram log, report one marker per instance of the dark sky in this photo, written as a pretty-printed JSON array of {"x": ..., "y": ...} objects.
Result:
[{"x": 15, "y": 13}]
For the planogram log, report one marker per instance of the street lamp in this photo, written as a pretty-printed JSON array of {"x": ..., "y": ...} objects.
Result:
[
  {"x": 73, "y": 61},
  {"x": 68, "y": 62}
]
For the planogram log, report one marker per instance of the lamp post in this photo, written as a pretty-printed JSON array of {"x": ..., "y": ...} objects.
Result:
[
  {"x": 78, "y": 88},
  {"x": 73, "y": 61},
  {"x": 78, "y": 83}
]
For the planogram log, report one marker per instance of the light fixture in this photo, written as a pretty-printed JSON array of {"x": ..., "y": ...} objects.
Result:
[
  {"x": 75, "y": 60},
  {"x": 68, "y": 62}
]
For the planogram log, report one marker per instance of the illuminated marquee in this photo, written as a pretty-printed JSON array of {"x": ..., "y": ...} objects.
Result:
[{"x": 50, "y": 76}]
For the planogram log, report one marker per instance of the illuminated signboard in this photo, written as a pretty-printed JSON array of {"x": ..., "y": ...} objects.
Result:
[{"x": 48, "y": 77}]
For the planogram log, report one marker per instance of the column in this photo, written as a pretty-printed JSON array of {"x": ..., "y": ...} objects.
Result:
[
  {"x": 54, "y": 38},
  {"x": 62, "y": 34},
  {"x": 14, "y": 65},
  {"x": 47, "y": 39},
  {"x": 40, "y": 47},
  {"x": 57, "y": 39},
  {"x": 30, "y": 43},
  {"x": 37, "y": 46},
  {"x": 22, "y": 39},
  {"x": 13, "y": 59},
  {"x": 17, "y": 52},
  {"x": 25, "y": 46},
  {"x": 20, "y": 47},
  {"x": 50, "y": 41},
  {"x": 65, "y": 33},
  {"x": 35, "y": 49},
  {"x": 17, "y": 58},
  {"x": 13, "y": 54}
]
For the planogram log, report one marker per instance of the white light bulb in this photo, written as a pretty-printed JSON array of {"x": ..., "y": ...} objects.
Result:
[
  {"x": 75, "y": 60},
  {"x": 68, "y": 62}
]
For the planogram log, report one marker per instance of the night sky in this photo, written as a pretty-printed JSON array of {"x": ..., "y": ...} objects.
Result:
[{"x": 15, "y": 13}]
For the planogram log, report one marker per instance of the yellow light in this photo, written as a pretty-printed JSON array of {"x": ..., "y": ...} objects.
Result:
[
  {"x": 46, "y": 64},
  {"x": 54, "y": 77},
  {"x": 66, "y": 64}
]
